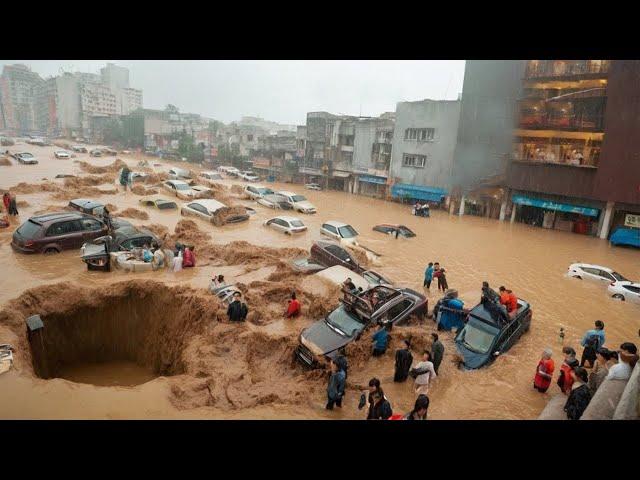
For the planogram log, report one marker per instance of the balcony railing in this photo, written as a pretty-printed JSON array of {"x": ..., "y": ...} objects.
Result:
[
  {"x": 542, "y": 121},
  {"x": 555, "y": 69}
]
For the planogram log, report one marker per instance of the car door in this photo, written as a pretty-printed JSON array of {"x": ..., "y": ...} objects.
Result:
[
  {"x": 592, "y": 274},
  {"x": 330, "y": 231},
  {"x": 631, "y": 293},
  {"x": 605, "y": 277},
  {"x": 508, "y": 337},
  {"x": 91, "y": 228},
  {"x": 67, "y": 235}
]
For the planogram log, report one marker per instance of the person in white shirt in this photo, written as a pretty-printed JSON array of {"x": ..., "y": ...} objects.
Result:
[
  {"x": 627, "y": 360},
  {"x": 425, "y": 372}
]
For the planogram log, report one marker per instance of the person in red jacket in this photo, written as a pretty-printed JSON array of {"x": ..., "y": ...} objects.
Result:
[
  {"x": 544, "y": 372},
  {"x": 188, "y": 258},
  {"x": 565, "y": 380},
  {"x": 293, "y": 310}
]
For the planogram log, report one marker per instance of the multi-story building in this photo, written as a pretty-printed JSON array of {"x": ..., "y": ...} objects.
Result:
[
  {"x": 574, "y": 164},
  {"x": 46, "y": 107},
  {"x": 17, "y": 89},
  {"x": 423, "y": 148},
  {"x": 372, "y": 155},
  {"x": 68, "y": 106}
]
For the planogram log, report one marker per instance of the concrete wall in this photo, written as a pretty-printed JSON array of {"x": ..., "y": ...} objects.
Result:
[
  {"x": 629, "y": 405},
  {"x": 68, "y": 101},
  {"x": 365, "y": 136},
  {"x": 443, "y": 116}
]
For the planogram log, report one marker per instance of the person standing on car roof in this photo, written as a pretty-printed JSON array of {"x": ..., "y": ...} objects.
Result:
[{"x": 593, "y": 339}]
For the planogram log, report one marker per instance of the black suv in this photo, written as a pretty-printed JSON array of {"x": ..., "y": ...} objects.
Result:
[
  {"x": 485, "y": 335},
  {"x": 327, "y": 337}
]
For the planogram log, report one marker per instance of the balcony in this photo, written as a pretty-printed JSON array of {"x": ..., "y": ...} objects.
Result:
[
  {"x": 556, "y": 69},
  {"x": 567, "y": 122}
]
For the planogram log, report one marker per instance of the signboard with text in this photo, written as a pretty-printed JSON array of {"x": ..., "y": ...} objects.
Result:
[{"x": 631, "y": 220}]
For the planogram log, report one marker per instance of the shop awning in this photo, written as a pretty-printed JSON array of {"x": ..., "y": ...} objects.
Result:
[
  {"x": 372, "y": 179},
  {"x": 341, "y": 174},
  {"x": 419, "y": 192},
  {"x": 560, "y": 207}
]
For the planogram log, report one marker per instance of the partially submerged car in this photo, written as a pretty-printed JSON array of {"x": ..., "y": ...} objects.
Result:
[
  {"x": 96, "y": 152},
  {"x": 338, "y": 274},
  {"x": 62, "y": 154},
  {"x": 54, "y": 232},
  {"x": 201, "y": 191},
  {"x": 629, "y": 236},
  {"x": 85, "y": 205},
  {"x": 209, "y": 177},
  {"x": 394, "y": 230},
  {"x": 312, "y": 186},
  {"x": 79, "y": 148},
  {"x": 256, "y": 192},
  {"x": 248, "y": 176},
  {"x": 275, "y": 201},
  {"x": 330, "y": 254},
  {"x": 212, "y": 211},
  {"x": 103, "y": 251},
  {"x": 25, "y": 158},
  {"x": 298, "y": 202},
  {"x": 324, "y": 339},
  {"x": 176, "y": 173},
  {"x": 158, "y": 202},
  {"x": 594, "y": 273},
  {"x": 485, "y": 335},
  {"x": 287, "y": 225},
  {"x": 338, "y": 230},
  {"x": 625, "y": 290},
  {"x": 179, "y": 188}
]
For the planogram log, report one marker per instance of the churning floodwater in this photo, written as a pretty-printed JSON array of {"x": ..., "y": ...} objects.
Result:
[{"x": 531, "y": 261}]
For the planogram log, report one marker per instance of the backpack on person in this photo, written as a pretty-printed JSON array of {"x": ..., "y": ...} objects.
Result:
[{"x": 593, "y": 342}]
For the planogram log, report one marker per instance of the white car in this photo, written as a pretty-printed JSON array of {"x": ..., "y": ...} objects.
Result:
[
  {"x": 25, "y": 158},
  {"x": 61, "y": 154},
  {"x": 313, "y": 186},
  {"x": 275, "y": 201},
  {"x": 179, "y": 174},
  {"x": 256, "y": 192},
  {"x": 79, "y": 148},
  {"x": 201, "y": 192},
  {"x": 207, "y": 209},
  {"x": 298, "y": 202},
  {"x": 179, "y": 188},
  {"x": 248, "y": 176},
  {"x": 338, "y": 230},
  {"x": 288, "y": 225},
  {"x": 209, "y": 177},
  {"x": 625, "y": 290},
  {"x": 230, "y": 171},
  {"x": 595, "y": 273}
]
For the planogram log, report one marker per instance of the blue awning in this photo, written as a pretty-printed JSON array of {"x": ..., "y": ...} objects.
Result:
[
  {"x": 561, "y": 207},
  {"x": 418, "y": 192},
  {"x": 372, "y": 179}
]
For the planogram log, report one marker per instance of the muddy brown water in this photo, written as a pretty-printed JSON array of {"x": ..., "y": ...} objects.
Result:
[{"x": 531, "y": 261}]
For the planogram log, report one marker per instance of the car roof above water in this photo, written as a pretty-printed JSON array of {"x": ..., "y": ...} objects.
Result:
[{"x": 56, "y": 216}]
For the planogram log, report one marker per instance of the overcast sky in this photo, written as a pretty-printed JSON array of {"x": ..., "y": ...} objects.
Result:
[{"x": 279, "y": 90}]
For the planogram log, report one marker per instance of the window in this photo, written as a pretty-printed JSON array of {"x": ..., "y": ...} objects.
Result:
[
  {"x": 338, "y": 252},
  {"x": 63, "y": 228},
  {"x": 592, "y": 271},
  {"x": 631, "y": 289},
  {"x": 411, "y": 160},
  {"x": 606, "y": 275},
  {"x": 89, "y": 224},
  {"x": 347, "y": 232},
  {"x": 419, "y": 134},
  {"x": 397, "y": 309},
  {"x": 329, "y": 228},
  {"x": 198, "y": 208}
]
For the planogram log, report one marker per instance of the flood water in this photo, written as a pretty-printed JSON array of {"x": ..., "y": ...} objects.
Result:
[
  {"x": 531, "y": 261},
  {"x": 110, "y": 374}
]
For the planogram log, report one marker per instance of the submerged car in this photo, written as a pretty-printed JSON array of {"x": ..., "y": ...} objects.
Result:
[
  {"x": 287, "y": 225},
  {"x": 176, "y": 173},
  {"x": 338, "y": 230},
  {"x": 298, "y": 202},
  {"x": 330, "y": 254},
  {"x": 96, "y": 152},
  {"x": 201, "y": 192},
  {"x": 625, "y": 290},
  {"x": 158, "y": 202},
  {"x": 324, "y": 339},
  {"x": 594, "y": 273},
  {"x": 394, "y": 230},
  {"x": 626, "y": 236},
  {"x": 485, "y": 335},
  {"x": 209, "y": 177},
  {"x": 179, "y": 188},
  {"x": 79, "y": 148},
  {"x": 25, "y": 158},
  {"x": 212, "y": 211},
  {"x": 312, "y": 186},
  {"x": 248, "y": 176},
  {"x": 54, "y": 232},
  {"x": 61, "y": 154},
  {"x": 85, "y": 205},
  {"x": 256, "y": 192},
  {"x": 275, "y": 201}
]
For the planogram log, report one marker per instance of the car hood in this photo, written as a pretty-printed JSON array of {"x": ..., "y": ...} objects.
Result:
[
  {"x": 321, "y": 339},
  {"x": 306, "y": 205},
  {"x": 472, "y": 360}
]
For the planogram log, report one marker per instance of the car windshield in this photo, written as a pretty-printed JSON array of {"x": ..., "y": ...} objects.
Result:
[
  {"x": 26, "y": 155},
  {"x": 298, "y": 198},
  {"x": 166, "y": 205},
  {"x": 28, "y": 229},
  {"x": 264, "y": 191},
  {"x": 343, "y": 321},
  {"x": 181, "y": 186},
  {"x": 405, "y": 231},
  {"x": 478, "y": 338},
  {"x": 296, "y": 223},
  {"x": 618, "y": 277},
  {"x": 347, "y": 232}
]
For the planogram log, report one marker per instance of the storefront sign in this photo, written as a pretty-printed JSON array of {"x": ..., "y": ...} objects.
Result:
[
  {"x": 418, "y": 192},
  {"x": 631, "y": 220},
  {"x": 372, "y": 179},
  {"x": 548, "y": 205}
]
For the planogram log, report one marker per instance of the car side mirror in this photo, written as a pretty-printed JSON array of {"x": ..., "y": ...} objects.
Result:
[{"x": 496, "y": 353}]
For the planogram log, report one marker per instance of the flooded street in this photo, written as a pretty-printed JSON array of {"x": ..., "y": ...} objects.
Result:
[{"x": 531, "y": 261}]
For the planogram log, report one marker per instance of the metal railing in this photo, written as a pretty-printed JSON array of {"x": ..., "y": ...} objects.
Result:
[{"x": 552, "y": 68}]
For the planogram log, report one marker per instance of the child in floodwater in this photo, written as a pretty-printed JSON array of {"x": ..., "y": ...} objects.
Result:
[{"x": 293, "y": 309}]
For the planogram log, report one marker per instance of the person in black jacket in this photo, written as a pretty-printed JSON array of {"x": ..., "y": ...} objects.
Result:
[
  {"x": 580, "y": 395},
  {"x": 381, "y": 409},
  {"x": 237, "y": 311},
  {"x": 404, "y": 359}
]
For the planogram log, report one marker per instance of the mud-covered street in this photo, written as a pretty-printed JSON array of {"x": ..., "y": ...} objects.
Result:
[{"x": 171, "y": 352}]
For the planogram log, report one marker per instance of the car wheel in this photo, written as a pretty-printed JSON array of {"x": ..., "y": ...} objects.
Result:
[
  {"x": 578, "y": 277},
  {"x": 287, "y": 233},
  {"x": 617, "y": 296},
  {"x": 51, "y": 251}
]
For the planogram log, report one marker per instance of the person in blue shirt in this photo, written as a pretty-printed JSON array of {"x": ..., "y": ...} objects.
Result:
[
  {"x": 381, "y": 340},
  {"x": 592, "y": 341},
  {"x": 335, "y": 389},
  {"x": 428, "y": 276}
]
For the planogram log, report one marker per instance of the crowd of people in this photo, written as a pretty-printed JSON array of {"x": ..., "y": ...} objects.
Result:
[
  {"x": 434, "y": 270},
  {"x": 580, "y": 380}
]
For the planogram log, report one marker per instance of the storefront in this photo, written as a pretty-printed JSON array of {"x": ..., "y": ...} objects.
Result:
[
  {"x": 555, "y": 214},
  {"x": 408, "y": 193},
  {"x": 625, "y": 215},
  {"x": 339, "y": 180},
  {"x": 372, "y": 186}
]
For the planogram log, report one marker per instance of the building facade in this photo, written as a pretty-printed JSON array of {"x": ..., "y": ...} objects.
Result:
[
  {"x": 424, "y": 143},
  {"x": 18, "y": 86},
  {"x": 372, "y": 155}
]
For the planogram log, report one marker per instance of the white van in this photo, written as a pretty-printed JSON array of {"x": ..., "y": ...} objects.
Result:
[{"x": 179, "y": 174}]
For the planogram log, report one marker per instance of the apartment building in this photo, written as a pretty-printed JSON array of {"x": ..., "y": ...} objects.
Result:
[
  {"x": 372, "y": 155},
  {"x": 46, "y": 107},
  {"x": 423, "y": 148},
  {"x": 18, "y": 85}
]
